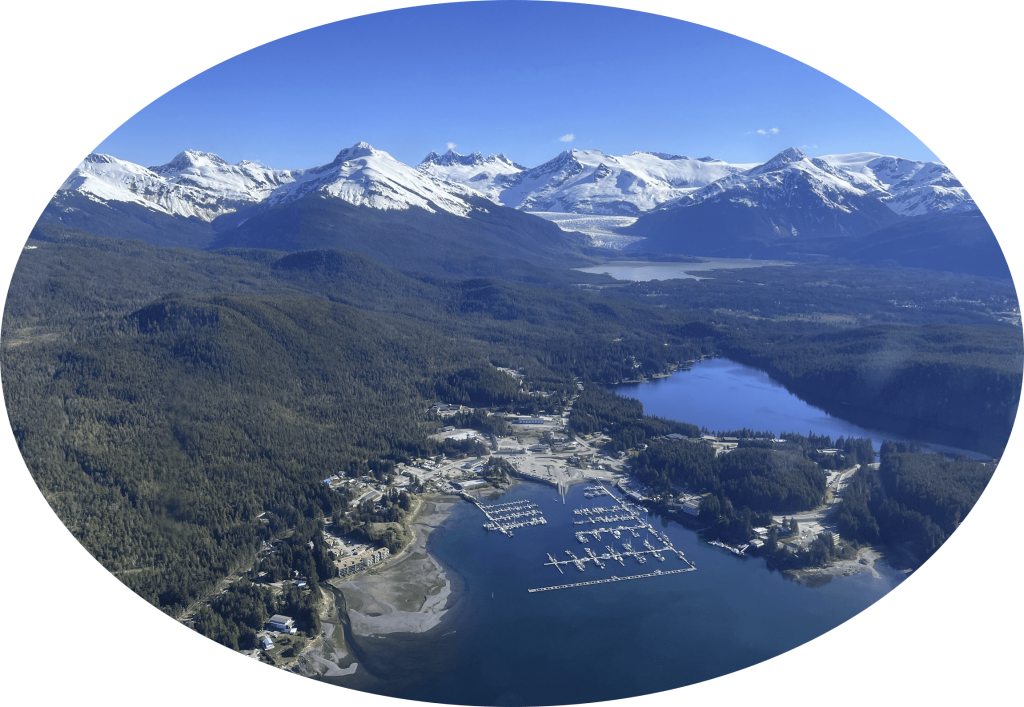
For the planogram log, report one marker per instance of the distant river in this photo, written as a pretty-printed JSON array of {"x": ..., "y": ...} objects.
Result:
[{"x": 724, "y": 395}]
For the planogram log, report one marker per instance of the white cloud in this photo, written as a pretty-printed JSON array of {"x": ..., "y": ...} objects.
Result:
[
  {"x": 769, "y": 131},
  {"x": 568, "y": 137},
  {"x": 451, "y": 145}
]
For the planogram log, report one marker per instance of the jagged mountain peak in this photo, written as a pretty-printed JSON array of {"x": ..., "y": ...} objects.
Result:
[
  {"x": 782, "y": 160},
  {"x": 451, "y": 157},
  {"x": 360, "y": 149},
  {"x": 474, "y": 159},
  {"x": 190, "y": 159},
  {"x": 100, "y": 158}
]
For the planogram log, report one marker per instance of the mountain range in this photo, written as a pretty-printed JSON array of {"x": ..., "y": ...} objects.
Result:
[{"x": 792, "y": 206}]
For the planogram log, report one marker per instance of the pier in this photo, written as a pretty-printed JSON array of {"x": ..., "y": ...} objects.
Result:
[
  {"x": 613, "y": 578},
  {"x": 626, "y": 512},
  {"x": 738, "y": 551},
  {"x": 506, "y": 517},
  {"x": 614, "y": 555}
]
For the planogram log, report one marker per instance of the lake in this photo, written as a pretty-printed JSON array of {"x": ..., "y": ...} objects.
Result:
[
  {"x": 724, "y": 395},
  {"x": 643, "y": 271}
]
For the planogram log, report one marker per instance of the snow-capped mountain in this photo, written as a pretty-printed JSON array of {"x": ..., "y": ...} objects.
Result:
[
  {"x": 790, "y": 197},
  {"x": 363, "y": 176},
  {"x": 488, "y": 175},
  {"x": 245, "y": 182},
  {"x": 453, "y": 210},
  {"x": 592, "y": 182},
  {"x": 205, "y": 186},
  {"x": 777, "y": 181},
  {"x": 193, "y": 184},
  {"x": 908, "y": 187}
]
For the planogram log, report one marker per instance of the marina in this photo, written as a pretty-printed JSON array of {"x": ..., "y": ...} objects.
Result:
[
  {"x": 624, "y": 511},
  {"x": 738, "y": 612},
  {"x": 506, "y": 517}
]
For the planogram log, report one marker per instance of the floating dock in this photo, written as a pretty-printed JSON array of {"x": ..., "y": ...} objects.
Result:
[
  {"x": 623, "y": 512},
  {"x": 505, "y": 517},
  {"x": 613, "y": 578}
]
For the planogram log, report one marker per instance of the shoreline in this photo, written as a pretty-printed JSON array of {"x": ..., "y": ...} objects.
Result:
[
  {"x": 411, "y": 593},
  {"x": 865, "y": 561},
  {"x": 386, "y": 598}
]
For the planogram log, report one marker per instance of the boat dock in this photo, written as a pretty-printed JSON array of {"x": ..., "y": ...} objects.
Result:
[
  {"x": 613, "y": 578},
  {"x": 627, "y": 512},
  {"x": 595, "y": 491},
  {"x": 738, "y": 551},
  {"x": 506, "y": 517}
]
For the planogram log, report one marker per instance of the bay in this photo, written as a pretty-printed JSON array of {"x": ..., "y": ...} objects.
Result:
[{"x": 502, "y": 645}]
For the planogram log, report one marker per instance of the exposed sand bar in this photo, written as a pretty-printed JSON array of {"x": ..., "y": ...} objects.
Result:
[{"x": 409, "y": 594}]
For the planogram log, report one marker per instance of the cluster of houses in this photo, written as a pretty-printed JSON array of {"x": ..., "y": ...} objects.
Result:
[
  {"x": 361, "y": 561},
  {"x": 279, "y": 624}
]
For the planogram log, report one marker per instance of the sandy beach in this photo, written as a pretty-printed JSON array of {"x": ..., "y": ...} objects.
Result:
[{"x": 409, "y": 594}]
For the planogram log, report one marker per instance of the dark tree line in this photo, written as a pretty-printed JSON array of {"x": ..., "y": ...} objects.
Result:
[
  {"x": 164, "y": 399},
  {"x": 914, "y": 499}
]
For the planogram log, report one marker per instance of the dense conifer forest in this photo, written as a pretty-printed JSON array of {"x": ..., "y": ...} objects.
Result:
[
  {"x": 178, "y": 408},
  {"x": 913, "y": 500}
]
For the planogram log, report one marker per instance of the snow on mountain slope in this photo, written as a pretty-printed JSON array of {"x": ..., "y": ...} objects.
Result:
[
  {"x": 908, "y": 187},
  {"x": 205, "y": 186},
  {"x": 775, "y": 183},
  {"x": 592, "y": 182},
  {"x": 244, "y": 182},
  {"x": 789, "y": 201},
  {"x": 363, "y": 176},
  {"x": 104, "y": 178},
  {"x": 488, "y": 175}
]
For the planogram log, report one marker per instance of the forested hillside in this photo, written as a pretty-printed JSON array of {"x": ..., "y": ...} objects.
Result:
[
  {"x": 164, "y": 399},
  {"x": 914, "y": 500},
  {"x": 960, "y": 383}
]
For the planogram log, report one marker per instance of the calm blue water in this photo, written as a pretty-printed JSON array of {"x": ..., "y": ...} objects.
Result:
[
  {"x": 600, "y": 642},
  {"x": 501, "y": 645},
  {"x": 723, "y": 395}
]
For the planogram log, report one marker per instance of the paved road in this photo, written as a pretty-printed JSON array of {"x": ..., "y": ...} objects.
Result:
[{"x": 812, "y": 522}]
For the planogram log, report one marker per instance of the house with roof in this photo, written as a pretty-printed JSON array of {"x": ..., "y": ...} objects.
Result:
[{"x": 284, "y": 624}]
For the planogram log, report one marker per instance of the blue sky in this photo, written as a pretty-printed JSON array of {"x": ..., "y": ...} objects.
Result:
[{"x": 526, "y": 79}]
